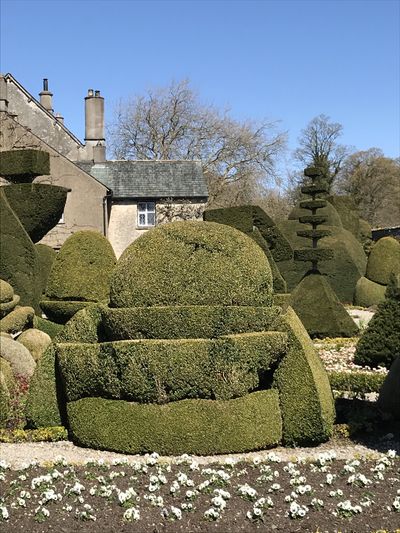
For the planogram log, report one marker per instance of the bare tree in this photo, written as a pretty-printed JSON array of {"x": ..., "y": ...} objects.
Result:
[
  {"x": 171, "y": 123},
  {"x": 319, "y": 147},
  {"x": 373, "y": 180}
]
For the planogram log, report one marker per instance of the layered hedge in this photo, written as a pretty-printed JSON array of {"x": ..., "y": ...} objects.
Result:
[
  {"x": 200, "y": 427},
  {"x": 161, "y": 371},
  {"x": 192, "y": 263},
  {"x": 184, "y": 322},
  {"x": 328, "y": 213},
  {"x": 305, "y": 394}
]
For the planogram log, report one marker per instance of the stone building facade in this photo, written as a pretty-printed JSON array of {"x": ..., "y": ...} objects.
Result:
[{"x": 121, "y": 199}]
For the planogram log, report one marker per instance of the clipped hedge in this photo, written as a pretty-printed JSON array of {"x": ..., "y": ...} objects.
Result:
[
  {"x": 46, "y": 258},
  {"x": 278, "y": 283},
  {"x": 19, "y": 260},
  {"x": 161, "y": 371},
  {"x": 359, "y": 383},
  {"x": 389, "y": 397},
  {"x": 368, "y": 293},
  {"x": 45, "y": 404},
  {"x": 80, "y": 273},
  {"x": 24, "y": 165},
  {"x": 383, "y": 260},
  {"x": 313, "y": 254},
  {"x": 51, "y": 434},
  {"x": 51, "y": 328},
  {"x": 343, "y": 271},
  {"x": 192, "y": 263},
  {"x": 319, "y": 309},
  {"x": 200, "y": 427},
  {"x": 38, "y": 206},
  {"x": 313, "y": 204},
  {"x": 184, "y": 322},
  {"x": 305, "y": 396},
  {"x": 328, "y": 213}
]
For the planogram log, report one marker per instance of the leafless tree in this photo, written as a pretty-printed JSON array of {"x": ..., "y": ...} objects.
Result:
[
  {"x": 373, "y": 180},
  {"x": 172, "y": 123}
]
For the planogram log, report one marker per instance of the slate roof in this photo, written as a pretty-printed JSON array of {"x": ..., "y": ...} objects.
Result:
[{"x": 150, "y": 179}]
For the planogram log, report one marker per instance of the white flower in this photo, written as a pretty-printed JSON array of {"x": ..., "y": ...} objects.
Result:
[
  {"x": 392, "y": 454},
  {"x": 297, "y": 511},
  {"x": 176, "y": 512},
  {"x": 247, "y": 491},
  {"x": 211, "y": 514},
  {"x": 218, "y": 502},
  {"x": 4, "y": 514},
  {"x": 131, "y": 514}
]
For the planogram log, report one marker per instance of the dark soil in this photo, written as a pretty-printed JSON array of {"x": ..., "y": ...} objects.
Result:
[{"x": 109, "y": 511}]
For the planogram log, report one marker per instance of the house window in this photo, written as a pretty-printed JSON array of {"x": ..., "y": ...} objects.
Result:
[{"x": 146, "y": 214}]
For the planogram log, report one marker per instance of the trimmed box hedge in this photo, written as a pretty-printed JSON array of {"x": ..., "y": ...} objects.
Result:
[
  {"x": 24, "y": 165},
  {"x": 279, "y": 284},
  {"x": 160, "y": 371},
  {"x": 305, "y": 395},
  {"x": 383, "y": 260},
  {"x": 313, "y": 254},
  {"x": 315, "y": 220},
  {"x": 184, "y": 322},
  {"x": 368, "y": 293},
  {"x": 200, "y": 427},
  {"x": 313, "y": 204},
  {"x": 356, "y": 382}
]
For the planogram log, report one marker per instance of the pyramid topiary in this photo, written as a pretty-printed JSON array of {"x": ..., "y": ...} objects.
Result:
[
  {"x": 188, "y": 370},
  {"x": 80, "y": 275},
  {"x": 314, "y": 301},
  {"x": 380, "y": 343}
]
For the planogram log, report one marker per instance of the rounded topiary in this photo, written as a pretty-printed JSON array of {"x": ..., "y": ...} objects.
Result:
[
  {"x": 380, "y": 343},
  {"x": 383, "y": 260},
  {"x": 368, "y": 293},
  {"x": 192, "y": 263},
  {"x": 8, "y": 300},
  {"x": 80, "y": 275}
]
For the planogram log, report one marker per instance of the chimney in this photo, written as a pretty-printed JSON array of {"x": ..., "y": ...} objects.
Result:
[
  {"x": 3, "y": 94},
  {"x": 94, "y": 117},
  {"x": 46, "y": 96},
  {"x": 59, "y": 118}
]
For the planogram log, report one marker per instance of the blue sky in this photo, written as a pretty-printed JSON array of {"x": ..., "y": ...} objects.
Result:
[{"x": 283, "y": 60}]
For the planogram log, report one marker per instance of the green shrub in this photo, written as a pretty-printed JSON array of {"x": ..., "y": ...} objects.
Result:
[
  {"x": 278, "y": 283},
  {"x": 319, "y": 309},
  {"x": 45, "y": 404},
  {"x": 80, "y": 273},
  {"x": 5, "y": 401},
  {"x": 19, "y": 260},
  {"x": 380, "y": 342},
  {"x": 348, "y": 213},
  {"x": 343, "y": 271},
  {"x": 383, "y": 260},
  {"x": 313, "y": 204},
  {"x": 184, "y": 322},
  {"x": 368, "y": 293},
  {"x": 46, "y": 258},
  {"x": 51, "y": 328},
  {"x": 313, "y": 254},
  {"x": 359, "y": 383},
  {"x": 200, "y": 427},
  {"x": 24, "y": 165},
  {"x": 38, "y": 206},
  {"x": 240, "y": 217},
  {"x": 160, "y": 371},
  {"x": 192, "y": 263},
  {"x": 305, "y": 395}
]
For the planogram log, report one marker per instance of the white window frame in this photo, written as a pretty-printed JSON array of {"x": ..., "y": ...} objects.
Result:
[{"x": 146, "y": 209}]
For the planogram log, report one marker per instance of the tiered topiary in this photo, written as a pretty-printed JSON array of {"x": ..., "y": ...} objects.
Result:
[
  {"x": 382, "y": 261},
  {"x": 28, "y": 211},
  {"x": 183, "y": 358},
  {"x": 313, "y": 299},
  {"x": 380, "y": 343},
  {"x": 80, "y": 275},
  {"x": 255, "y": 223}
]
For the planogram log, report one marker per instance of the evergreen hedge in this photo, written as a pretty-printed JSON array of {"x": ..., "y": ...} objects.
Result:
[
  {"x": 184, "y": 322},
  {"x": 383, "y": 260},
  {"x": 192, "y": 263},
  {"x": 160, "y": 371},
  {"x": 368, "y": 293},
  {"x": 201, "y": 427},
  {"x": 46, "y": 256}
]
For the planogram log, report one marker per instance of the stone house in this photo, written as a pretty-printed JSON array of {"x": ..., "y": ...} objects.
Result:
[{"x": 121, "y": 199}]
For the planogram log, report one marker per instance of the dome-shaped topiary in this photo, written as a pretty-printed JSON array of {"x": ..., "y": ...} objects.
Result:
[
  {"x": 380, "y": 343},
  {"x": 192, "y": 263},
  {"x": 383, "y": 260},
  {"x": 80, "y": 274}
]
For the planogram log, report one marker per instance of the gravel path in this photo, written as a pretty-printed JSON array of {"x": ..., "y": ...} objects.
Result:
[{"x": 46, "y": 452}]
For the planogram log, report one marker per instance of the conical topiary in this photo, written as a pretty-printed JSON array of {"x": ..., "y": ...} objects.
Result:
[
  {"x": 389, "y": 397},
  {"x": 380, "y": 343},
  {"x": 80, "y": 275},
  {"x": 313, "y": 299}
]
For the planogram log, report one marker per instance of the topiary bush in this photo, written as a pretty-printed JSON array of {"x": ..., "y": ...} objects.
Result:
[
  {"x": 389, "y": 397},
  {"x": 24, "y": 165},
  {"x": 189, "y": 263},
  {"x": 380, "y": 343},
  {"x": 368, "y": 293},
  {"x": 383, "y": 260},
  {"x": 80, "y": 275},
  {"x": 46, "y": 258}
]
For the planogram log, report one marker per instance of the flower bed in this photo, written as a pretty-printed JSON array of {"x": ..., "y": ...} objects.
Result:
[{"x": 322, "y": 494}]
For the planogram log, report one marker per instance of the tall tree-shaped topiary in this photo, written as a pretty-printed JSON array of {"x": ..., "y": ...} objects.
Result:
[{"x": 313, "y": 299}]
